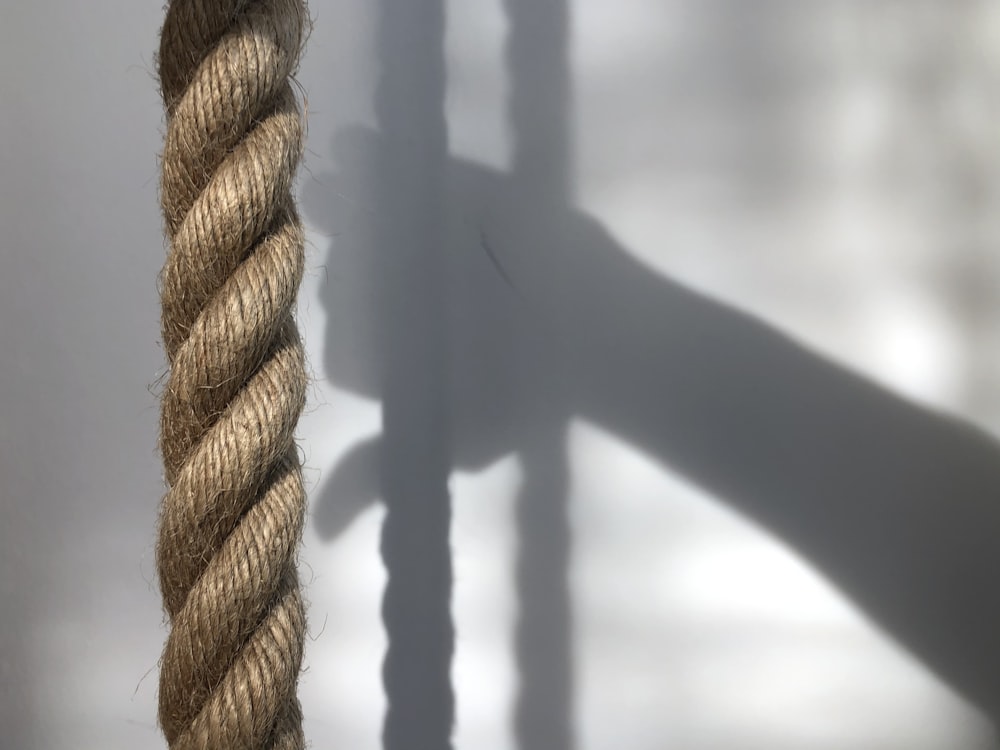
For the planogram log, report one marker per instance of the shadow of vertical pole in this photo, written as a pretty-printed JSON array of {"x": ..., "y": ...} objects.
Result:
[
  {"x": 410, "y": 184},
  {"x": 538, "y": 65}
]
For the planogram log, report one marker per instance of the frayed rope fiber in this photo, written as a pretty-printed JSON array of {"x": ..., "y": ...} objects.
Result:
[{"x": 232, "y": 518}]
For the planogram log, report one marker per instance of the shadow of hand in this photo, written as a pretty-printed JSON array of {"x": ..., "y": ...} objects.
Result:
[{"x": 497, "y": 350}]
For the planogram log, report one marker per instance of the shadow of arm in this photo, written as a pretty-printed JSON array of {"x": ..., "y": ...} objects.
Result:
[{"x": 896, "y": 504}]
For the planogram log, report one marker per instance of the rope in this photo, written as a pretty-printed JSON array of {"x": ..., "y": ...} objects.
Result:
[{"x": 232, "y": 517}]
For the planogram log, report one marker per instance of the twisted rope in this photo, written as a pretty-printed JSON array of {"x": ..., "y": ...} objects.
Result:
[{"x": 232, "y": 517}]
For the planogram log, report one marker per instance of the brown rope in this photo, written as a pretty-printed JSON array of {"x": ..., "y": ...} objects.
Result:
[{"x": 232, "y": 517}]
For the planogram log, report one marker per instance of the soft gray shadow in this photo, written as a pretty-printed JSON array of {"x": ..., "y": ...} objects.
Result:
[
  {"x": 538, "y": 109},
  {"x": 18, "y": 715},
  {"x": 894, "y": 503},
  {"x": 408, "y": 182}
]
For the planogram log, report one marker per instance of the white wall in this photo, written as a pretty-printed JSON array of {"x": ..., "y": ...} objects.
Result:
[{"x": 829, "y": 170}]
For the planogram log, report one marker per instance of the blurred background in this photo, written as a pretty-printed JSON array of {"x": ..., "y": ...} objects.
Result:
[{"x": 787, "y": 210}]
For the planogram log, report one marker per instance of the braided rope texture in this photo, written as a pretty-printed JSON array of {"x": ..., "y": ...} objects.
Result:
[{"x": 232, "y": 517}]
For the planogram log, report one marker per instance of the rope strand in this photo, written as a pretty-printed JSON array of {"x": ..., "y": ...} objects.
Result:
[{"x": 232, "y": 518}]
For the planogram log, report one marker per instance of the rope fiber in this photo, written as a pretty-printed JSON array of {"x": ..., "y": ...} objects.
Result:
[{"x": 232, "y": 517}]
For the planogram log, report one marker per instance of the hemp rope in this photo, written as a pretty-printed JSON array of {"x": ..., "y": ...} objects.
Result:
[{"x": 232, "y": 517}]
